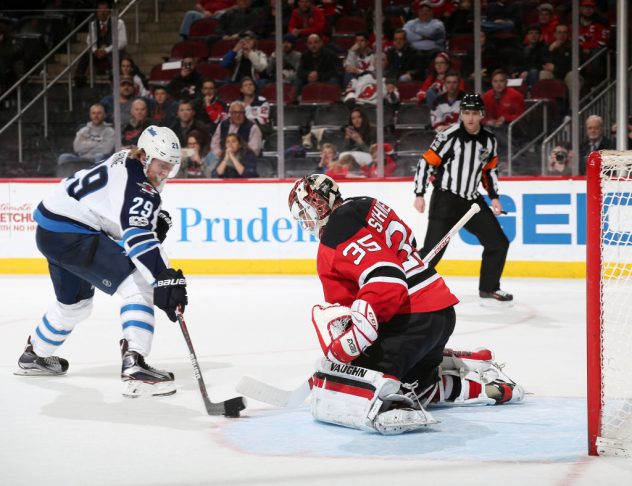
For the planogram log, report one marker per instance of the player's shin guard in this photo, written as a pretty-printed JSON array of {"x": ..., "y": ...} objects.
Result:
[
  {"x": 56, "y": 326},
  {"x": 137, "y": 313},
  {"x": 471, "y": 378},
  {"x": 363, "y": 399}
]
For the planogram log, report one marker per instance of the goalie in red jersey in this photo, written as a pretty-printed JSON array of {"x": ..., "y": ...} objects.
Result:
[{"x": 387, "y": 320}]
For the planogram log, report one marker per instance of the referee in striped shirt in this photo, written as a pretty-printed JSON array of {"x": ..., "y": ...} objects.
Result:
[{"x": 459, "y": 159}]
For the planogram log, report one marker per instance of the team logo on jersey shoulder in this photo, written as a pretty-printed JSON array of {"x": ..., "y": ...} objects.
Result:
[
  {"x": 147, "y": 188},
  {"x": 140, "y": 221},
  {"x": 118, "y": 158}
]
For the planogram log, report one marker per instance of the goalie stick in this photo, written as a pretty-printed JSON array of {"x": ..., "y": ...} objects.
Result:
[
  {"x": 228, "y": 408},
  {"x": 278, "y": 397}
]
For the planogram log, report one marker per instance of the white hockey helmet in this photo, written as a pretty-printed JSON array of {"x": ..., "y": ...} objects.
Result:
[
  {"x": 312, "y": 200},
  {"x": 162, "y": 144}
]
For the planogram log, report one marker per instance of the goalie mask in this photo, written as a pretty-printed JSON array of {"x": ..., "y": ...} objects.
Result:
[
  {"x": 312, "y": 200},
  {"x": 160, "y": 143}
]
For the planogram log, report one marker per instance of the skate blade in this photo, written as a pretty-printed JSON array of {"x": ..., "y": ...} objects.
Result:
[
  {"x": 36, "y": 372},
  {"x": 496, "y": 303},
  {"x": 141, "y": 389}
]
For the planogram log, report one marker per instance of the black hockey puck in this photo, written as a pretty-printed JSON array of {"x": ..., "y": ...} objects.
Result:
[{"x": 233, "y": 406}]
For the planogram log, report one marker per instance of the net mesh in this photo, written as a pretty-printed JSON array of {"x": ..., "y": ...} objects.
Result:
[{"x": 616, "y": 296}]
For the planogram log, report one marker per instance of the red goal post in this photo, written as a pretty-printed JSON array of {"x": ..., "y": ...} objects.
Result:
[{"x": 609, "y": 302}]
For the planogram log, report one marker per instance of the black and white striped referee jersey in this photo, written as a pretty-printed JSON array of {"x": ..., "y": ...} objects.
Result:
[{"x": 457, "y": 162}]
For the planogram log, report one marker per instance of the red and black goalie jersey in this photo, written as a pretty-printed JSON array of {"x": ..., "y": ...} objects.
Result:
[{"x": 367, "y": 252}]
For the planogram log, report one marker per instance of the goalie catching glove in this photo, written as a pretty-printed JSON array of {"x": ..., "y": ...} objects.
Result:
[
  {"x": 343, "y": 332},
  {"x": 170, "y": 292}
]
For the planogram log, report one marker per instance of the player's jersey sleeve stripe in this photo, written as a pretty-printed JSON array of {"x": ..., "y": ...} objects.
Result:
[
  {"x": 423, "y": 284},
  {"x": 381, "y": 269},
  {"x": 137, "y": 240},
  {"x": 131, "y": 232},
  {"x": 142, "y": 248},
  {"x": 395, "y": 280}
]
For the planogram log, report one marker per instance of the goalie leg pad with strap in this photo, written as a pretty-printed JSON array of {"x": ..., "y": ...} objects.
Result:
[
  {"x": 472, "y": 378},
  {"x": 363, "y": 399}
]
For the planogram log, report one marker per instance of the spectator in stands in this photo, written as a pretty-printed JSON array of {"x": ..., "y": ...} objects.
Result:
[
  {"x": 239, "y": 124},
  {"x": 194, "y": 155},
  {"x": 433, "y": 84},
  {"x": 502, "y": 106},
  {"x": 345, "y": 166},
  {"x": 138, "y": 122},
  {"x": 10, "y": 53},
  {"x": 533, "y": 55},
  {"x": 306, "y": 19},
  {"x": 489, "y": 60},
  {"x": 164, "y": 108},
  {"x": 203, "y": 9},
  {"x": 363, "y": 90},
  {"x": 328, "y": 153},
  {"x": 461, "y": 21},
  {"x": 186, "y": 122},
  {"x": 186, "y": 85},
  {"x": 242, "y": 16},
  {"x": 501, "y": 16},
  {"x": 446, "y": 107},
  {"x": 291, "y": 60},
  {"x": 359, "y": 135},
  {"x": 425, "y": 33},
  {"x": 560, "y": 160},
  {"x": 547, "y": 21},
  {"x": 245, "y": 60},
  {"x": 267, "y": 18},
  {"x": 558, "y": 59},
  {"x": 594, "y": 32},
  {"x": 390, "y": 166},
  {"x": 317, "y": 64},
  {"x": 401, "y": 57},
  {"x": 628, "y": 131},
  {"x": 126, "y": 96},
  {"x": 209, "y": 108},
  {"x": 257, "y": 107},
  {"x": 360, "y": 59},
  {"x": 595, "y": 140},
  {"x": 93, "y": 142},
  {"x": 129, "y": 70},
  {"x": 237, "y": 160},
  {"x": 100, "y": 38}
]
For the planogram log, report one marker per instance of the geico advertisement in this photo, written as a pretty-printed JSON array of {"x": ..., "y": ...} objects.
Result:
[{"x": 545, "y": 220}]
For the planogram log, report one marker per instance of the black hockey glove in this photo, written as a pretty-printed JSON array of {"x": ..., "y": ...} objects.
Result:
[
  {"x": 163, "y": 225},
  {"x": 170, "y": 292}
]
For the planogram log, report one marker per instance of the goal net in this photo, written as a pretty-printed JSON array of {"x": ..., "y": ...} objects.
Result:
[{"x": 609, "y": 302}]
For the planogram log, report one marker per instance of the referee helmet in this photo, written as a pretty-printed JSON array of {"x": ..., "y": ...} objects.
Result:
[{"x": 472, "y": 102}]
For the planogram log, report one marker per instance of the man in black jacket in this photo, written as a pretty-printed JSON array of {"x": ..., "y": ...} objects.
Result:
[{"x": 317, "y": 64}]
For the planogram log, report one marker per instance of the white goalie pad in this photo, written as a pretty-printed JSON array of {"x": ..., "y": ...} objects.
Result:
[
  {"x": 482, "y": 381},
  {"x": 360, "y": 398}
]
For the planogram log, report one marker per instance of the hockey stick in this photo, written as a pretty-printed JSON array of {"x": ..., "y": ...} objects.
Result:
[
  {"x": 228, "y": 408},
  {"x": 475, "y": 208},
  {"x": 278, "y": 397}
]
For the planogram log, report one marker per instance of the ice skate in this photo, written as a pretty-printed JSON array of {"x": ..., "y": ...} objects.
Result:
[
  {"x": 496, "y": 298},
  {"x": 140, "y": 379},
  {"x": 33, "y": 365}
]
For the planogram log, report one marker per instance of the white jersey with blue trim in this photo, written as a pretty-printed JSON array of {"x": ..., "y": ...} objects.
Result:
[{"x": 114, "y": 198}]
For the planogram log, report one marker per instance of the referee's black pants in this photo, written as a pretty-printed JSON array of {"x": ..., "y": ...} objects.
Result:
[{"x": 445, "y": 210}]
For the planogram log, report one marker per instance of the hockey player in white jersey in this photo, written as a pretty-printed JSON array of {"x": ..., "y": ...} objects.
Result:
[{"x": 103, "y": 227}]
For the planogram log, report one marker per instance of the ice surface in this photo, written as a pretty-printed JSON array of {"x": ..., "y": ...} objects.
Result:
[{"x": 78, "y": 429}]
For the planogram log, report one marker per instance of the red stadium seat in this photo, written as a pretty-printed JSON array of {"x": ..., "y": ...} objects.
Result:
[
  {"x": 408, "y": 90},
  {"x": 203, "y": 27},
  {"x": 269, "y": 93},
  {"x": 461, "y": 42},
  {"x": 229, "y": 92},
  {"x": 348, "y": 25},
  {"x": 157, "y": 75},
  {"x": 266, "y": 45},
  {"x": 321, "y": 94},
  {"x": 220, "y": 48},
  {"x": 192, "y": 48},
  {"x": 213, "y": 71},
  {"x": 549, "y": 89}
]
